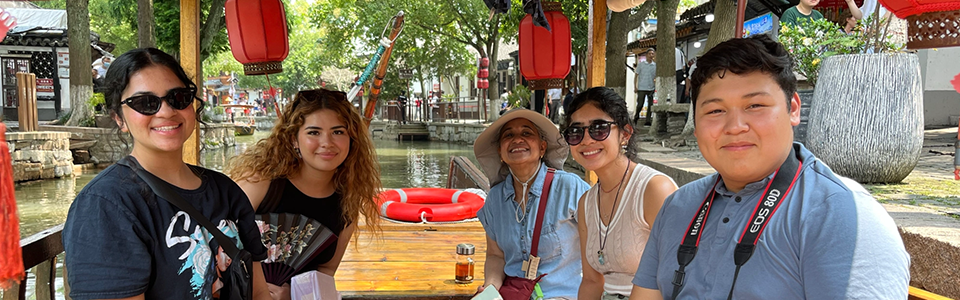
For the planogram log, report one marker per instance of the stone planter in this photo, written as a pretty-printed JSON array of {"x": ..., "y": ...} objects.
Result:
[
  {"x": 104, "y": 121},
  {"x": 868, "y": 116},
  {"x": 800, "y": 131}
]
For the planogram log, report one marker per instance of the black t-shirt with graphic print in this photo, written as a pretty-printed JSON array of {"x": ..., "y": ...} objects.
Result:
[{"x": 121, "y": 240}]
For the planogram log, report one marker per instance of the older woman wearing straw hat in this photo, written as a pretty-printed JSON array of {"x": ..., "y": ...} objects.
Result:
[{"x": 521, "y": 153}]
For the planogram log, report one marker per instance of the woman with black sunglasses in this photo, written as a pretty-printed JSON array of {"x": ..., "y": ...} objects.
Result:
[
  {"x": 124, "y": 242},
  {"x": 320, "y": 162},
  {"x": 615, "y": 215}
]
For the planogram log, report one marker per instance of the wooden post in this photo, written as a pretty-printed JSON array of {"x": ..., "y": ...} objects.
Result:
[
  {"x": 741, "y": 14},
  {"x": 66, "y": 283},
  {"x": 190, "y": 60},
  {"x": 596, "y": 47},
  {"x": 13, "y": 293},
  {"x": 45, "y": 273},
  {"x": 596, "y": 53},
  {"x": 27, "y": 98}
]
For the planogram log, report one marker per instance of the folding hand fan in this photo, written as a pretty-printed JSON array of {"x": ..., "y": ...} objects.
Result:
[{"x": 292, "y": 240}]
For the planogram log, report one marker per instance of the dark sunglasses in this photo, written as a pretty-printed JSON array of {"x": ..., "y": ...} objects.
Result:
[
  {"x": 599, "y": 130},
  {"x": 149, "y": 105}
]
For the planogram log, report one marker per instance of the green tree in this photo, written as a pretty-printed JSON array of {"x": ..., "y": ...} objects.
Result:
[
  {"x": 213, "y": 34},
  {"x": 432, "y": 43}
]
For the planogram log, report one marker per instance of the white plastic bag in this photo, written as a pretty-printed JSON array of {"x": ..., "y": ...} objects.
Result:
[{"x": 313, "y": 285}]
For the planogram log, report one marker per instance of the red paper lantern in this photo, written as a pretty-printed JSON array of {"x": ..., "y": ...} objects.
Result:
[
  {"x": 930, "y": 23},
  {"x": 482, "y": 83},
  {"x": 258, "y": 34},
  {"x": 483, "y": 73},
  {"x": 545, "y": 55}
]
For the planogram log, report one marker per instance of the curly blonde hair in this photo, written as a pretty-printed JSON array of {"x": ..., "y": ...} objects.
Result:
[{"x": 357, "y": 179}]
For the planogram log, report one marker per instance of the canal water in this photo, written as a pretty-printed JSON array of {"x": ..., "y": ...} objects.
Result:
[{"x": 44, "y": 204}]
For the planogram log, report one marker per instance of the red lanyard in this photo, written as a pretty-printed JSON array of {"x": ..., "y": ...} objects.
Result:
[{"x": 775, "y": 192}]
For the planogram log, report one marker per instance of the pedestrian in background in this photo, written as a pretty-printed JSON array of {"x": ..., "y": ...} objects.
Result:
[
  {"x": 646, "y": 74},
  {"x": 402, "y": 105},
  {"x": 554, "y": 104}
]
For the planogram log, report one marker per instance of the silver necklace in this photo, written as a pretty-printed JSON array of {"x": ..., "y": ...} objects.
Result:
[
  {"x": 519, "y": 214},
  {"x": 606, "y": 232}
]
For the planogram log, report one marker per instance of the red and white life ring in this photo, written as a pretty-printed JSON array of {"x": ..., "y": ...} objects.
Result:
[{"x": 429, "y": 204}]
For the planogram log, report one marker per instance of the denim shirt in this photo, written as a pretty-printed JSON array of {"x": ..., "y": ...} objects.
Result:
[
  {"x": 829, "y": 239},
  {"x": 559, "y": 249}
]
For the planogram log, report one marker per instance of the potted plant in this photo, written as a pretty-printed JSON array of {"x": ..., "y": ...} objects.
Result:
[
  {"x": 215, "y": 114},
  {"x": 809, "y": 43},
  {"x": 520, "y": 97},
  {"x": 101, "y": 119},
  {"x": 867, "y": 114}
]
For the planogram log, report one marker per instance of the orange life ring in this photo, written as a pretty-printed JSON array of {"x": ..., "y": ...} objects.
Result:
[{"x": 429, "y": 204}]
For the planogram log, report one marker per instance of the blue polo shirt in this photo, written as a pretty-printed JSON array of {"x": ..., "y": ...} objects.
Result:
[
  {"x": 559, "y": 249},
  {"x": 829, "y": 239}
]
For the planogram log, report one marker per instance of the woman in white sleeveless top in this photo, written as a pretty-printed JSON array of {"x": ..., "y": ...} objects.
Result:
[{"x": 615, "y": 215}]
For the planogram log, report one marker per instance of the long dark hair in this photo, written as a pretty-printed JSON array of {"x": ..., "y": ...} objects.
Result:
[
  {"x": 613, "y": 105},
  {"x": 131, "y": 62}
]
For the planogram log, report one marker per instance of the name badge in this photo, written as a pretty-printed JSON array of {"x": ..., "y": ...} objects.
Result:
[{"x": 534, "y": 264}]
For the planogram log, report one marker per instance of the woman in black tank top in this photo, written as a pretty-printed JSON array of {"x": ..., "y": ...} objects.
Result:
[{"x": 319, "y": 162}]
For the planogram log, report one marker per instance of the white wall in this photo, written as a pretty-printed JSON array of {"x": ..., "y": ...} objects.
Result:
[{"x": 941, "y": 103}]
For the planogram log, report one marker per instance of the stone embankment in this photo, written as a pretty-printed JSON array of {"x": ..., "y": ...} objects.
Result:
[
  {"x": 40, "y": 155},
  {"x": 463, "y": 133}
]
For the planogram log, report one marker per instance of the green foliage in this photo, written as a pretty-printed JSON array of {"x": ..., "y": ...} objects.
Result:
[
  {"x": 88, "y": 122},
  {"x": 301, "y": 69},
  {"x": 116, "y": 22},
  {"x": 64, "y": 117},
  {"x": 433, "y": 43},
  {"x": 520, "y": 97},
  {"x": 95, "y": 100},
  {"x": 52, "y": 4},
  {"x": 881, "y": 42},
  {"x": 577, "y": 11},
  {"x": 811, "y": 42},
  {"x": 211, "y": 111}
]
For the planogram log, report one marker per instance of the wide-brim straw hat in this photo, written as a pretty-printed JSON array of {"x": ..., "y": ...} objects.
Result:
[{"x": 488, "y": 153}]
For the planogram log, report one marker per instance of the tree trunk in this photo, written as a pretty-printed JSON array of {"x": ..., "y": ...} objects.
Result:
[
  {"x": 616, "y": 74},
  {"x": 211, "y": 27},
  {"x": 637, "y": 19},
  {"x": 81, "y": 79},
  {"x": 493, "y": 93},
  {"x": 146, "y": 25},
  {"x": 724, "y": 24},
  {"x": 666, "y": 53},
  {"x": 722, "y": 29}
]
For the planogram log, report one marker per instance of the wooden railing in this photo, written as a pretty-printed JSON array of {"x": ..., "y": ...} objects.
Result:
[{"x": 40, "y": 254}]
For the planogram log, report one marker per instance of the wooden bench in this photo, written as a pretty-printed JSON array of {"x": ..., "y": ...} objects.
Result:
[{"x": 410, "y": 261}]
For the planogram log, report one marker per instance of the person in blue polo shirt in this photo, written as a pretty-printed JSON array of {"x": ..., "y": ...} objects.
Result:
[{"x": 775, "y": 222}]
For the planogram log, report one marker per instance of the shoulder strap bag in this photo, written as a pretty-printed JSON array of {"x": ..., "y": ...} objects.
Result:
[
  {"x": 237, "y": 280},
  {"x": 520, "y": 288}
]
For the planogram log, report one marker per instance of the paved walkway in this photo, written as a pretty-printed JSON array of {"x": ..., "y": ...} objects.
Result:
[{"x": 926, "y": 205}]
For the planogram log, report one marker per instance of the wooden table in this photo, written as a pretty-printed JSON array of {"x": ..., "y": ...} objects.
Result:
[{"x": 410, "y": 261}]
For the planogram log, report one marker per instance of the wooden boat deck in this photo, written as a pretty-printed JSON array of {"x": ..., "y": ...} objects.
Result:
[{"x": 410, "y": 261}]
